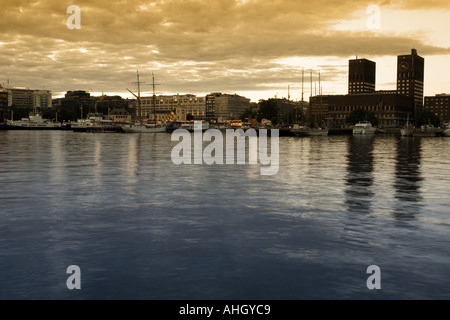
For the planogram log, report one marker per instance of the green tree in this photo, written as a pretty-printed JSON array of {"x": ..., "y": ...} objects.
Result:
[{"x": 360, "y": 114}]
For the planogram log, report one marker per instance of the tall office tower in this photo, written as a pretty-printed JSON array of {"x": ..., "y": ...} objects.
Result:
[
  {"x": 361, "y": 76},
  {"x": 410, "y": 70}
]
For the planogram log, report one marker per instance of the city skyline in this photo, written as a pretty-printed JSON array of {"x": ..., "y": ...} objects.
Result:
[{"x": 256, "y": 49}]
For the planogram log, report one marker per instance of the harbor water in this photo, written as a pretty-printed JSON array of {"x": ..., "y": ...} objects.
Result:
[{"x": 140, "y": 227}]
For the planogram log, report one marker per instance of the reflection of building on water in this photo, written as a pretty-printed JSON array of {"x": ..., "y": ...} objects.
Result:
[
  {"x": 360, "y": 177},
  {"x": 407, "y": 178}
]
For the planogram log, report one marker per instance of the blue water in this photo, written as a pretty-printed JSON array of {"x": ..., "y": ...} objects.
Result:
[{"x": 140, "y": 227}]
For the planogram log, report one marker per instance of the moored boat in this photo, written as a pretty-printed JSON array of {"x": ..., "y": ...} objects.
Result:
[
  {"x": 364, "y": 127},
  {"x": 144, "y": 128},
  {"x": 302, "y": 131},
  {"x": 34, "y": 121},
  {"x": 446, "y": 133}
]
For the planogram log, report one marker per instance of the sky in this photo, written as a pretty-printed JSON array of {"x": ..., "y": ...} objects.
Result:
[{"x": 255, "y": 48}]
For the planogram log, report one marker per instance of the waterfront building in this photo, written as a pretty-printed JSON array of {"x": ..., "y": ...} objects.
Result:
[
  {"x": 76, "y": 105},
  {"x": 3, "y": 104},
  {"x": 410, "y": 75},
  {"x": 178, "y": 107},
  {"x": 104, "y": 104},
  {"x": 391, "y": 108},
  {"x": 289, "y": 111},
  {"x": 361, "y": 76},
  {"x": 439, "y": 105},
  {"x": 119, "y": 115},
  {"x": 29, "y": 98},
  {"x": 223, "y": 107}
]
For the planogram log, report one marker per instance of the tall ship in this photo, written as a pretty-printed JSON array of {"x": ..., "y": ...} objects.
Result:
[{"x": 141, "y": 126}]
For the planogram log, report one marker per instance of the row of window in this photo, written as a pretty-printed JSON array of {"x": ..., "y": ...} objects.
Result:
[
  {"x": 385, "y": 115},
  {"x": 368, "y": 108}
]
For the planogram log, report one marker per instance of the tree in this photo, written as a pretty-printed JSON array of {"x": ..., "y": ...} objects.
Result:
[
  {"x": 20, "y": 112},
  {"x": 426, "y": 117},
  {"x": 247, "y": 114},
  {"x": 360, "y": 114},
  {"x": 268, "y": 109}
]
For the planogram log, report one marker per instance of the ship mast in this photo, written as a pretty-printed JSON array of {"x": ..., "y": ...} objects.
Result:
[
  {"x": 303, "y": 80},
  {"x": 154, "y": 98},
  {"x": 138, "y": 96}
]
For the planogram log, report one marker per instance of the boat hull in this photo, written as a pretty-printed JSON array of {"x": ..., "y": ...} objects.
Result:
[
  {"x": 309, "y": 133},
  {"x": 446, "y": 133},
  {"x": 406, "y": 132},
  {"x": 364, "y": 131},
  {"x": 143, "y": 129}
]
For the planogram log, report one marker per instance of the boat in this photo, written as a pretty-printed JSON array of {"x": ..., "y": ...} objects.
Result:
[
  {"x": 407, "y": 130},
  {"x": 303, "y": 131},
  {"x": 446, "y": 133},
  {"x": 34, "y": 121},
  {"x": 173, "y": 125},
  {"x": 142, "y": 126},
  {"x": 364, "y": 127},
  {"x": 93, "y": 122},
  {"x": 190, "y": 126}
]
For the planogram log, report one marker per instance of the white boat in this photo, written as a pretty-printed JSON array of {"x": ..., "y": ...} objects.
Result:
[
  {"x": 364, "y": 127},
  {"x": 34, "y": 121},
  {"x": 302, "y": 131},
  {"x": 144, "y": 128}
]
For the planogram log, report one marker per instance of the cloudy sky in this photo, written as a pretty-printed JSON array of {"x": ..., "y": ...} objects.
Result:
[{"x": 257, "y": 48}]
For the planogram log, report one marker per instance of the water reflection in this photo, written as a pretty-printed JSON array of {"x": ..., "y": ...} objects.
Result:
[
  {"x": 407, "y": 179},
  {"x": 131, "y": 161},
  {"x": 360, "y": 177}
]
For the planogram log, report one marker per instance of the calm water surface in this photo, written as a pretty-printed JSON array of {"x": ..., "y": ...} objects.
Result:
[{"x": 140, "y": 227}]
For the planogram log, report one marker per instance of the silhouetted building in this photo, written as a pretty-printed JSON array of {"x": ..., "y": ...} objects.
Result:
[
  {"x": 76, "y": 105},
  {"x": 361, "y": 76},
  {"x": 439, "y": 105},
  {"x": 390, "y": 108},
  {"x": 289, "y": 111},
  {"x": 3, "y": 104},
  {"x": 104, "y": 104},
  {"x": 410, "y": 75}
]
